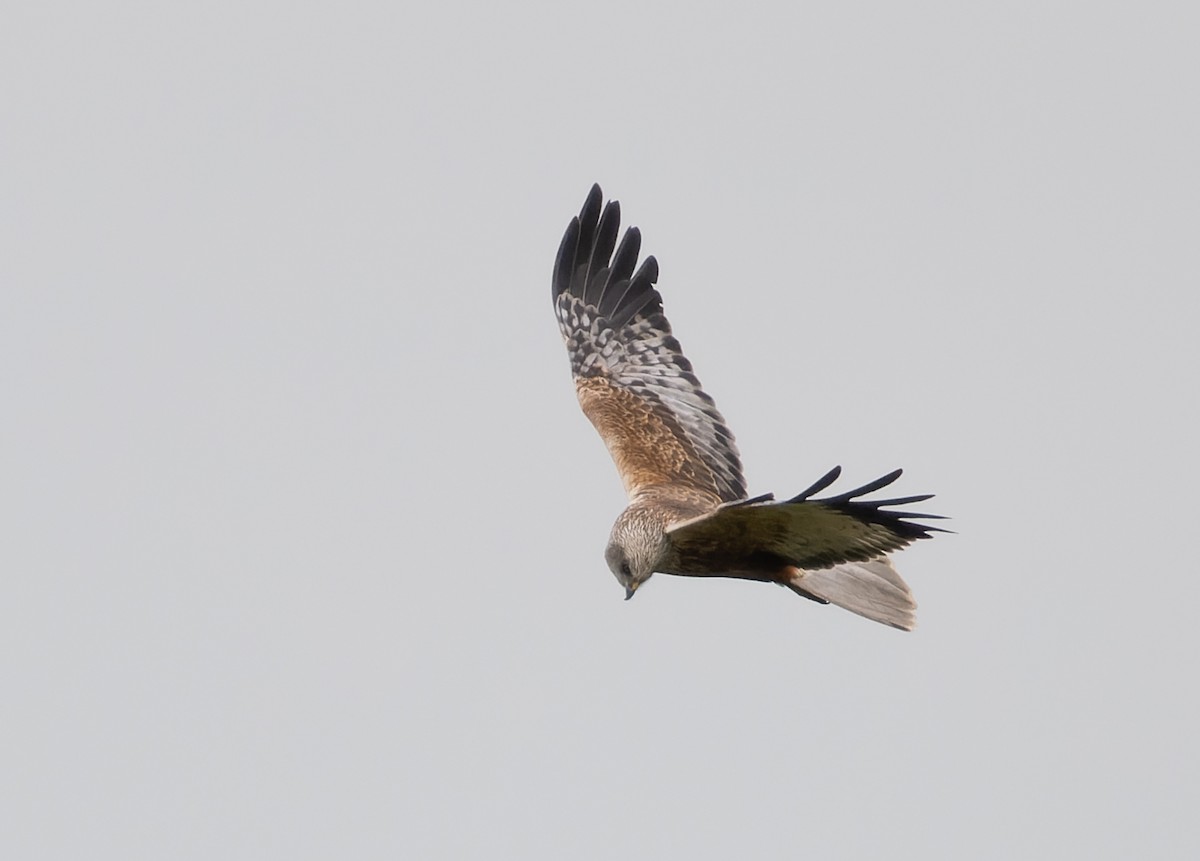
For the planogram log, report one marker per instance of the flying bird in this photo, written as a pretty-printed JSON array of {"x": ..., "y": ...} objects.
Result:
[{"x": 688, "y": 510}]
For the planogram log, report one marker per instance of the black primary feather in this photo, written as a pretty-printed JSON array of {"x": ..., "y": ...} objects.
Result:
[
  {"x": 597, "y": 264},
  {"x": 583, "y": 268},
  {"x": 873, "y": 510},
  {"x": 819, "y": 485}
]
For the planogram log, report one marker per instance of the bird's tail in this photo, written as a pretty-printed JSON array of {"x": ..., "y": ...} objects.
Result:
[{"x": 871, "y": 589}]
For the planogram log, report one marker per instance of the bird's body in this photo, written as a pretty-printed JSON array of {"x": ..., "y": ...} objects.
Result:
[{"x": 688, "y": 513}]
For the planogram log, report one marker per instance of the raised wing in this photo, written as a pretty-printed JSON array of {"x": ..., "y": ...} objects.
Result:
[
  {"x": 632, "y": 379},
  {"x": 802, "y": 532}
]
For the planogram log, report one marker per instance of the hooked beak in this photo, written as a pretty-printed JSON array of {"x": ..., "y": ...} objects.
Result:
[{"x": 629, "y": 590}]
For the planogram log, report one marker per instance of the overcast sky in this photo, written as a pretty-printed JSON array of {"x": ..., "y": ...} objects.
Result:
[{"x": 302, "y": 528}]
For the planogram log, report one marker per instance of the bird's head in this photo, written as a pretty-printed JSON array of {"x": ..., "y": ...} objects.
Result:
[{"x": 635, "y": 551}]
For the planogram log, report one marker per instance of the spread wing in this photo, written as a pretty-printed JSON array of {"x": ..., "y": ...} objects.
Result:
[
  {"x": 763, "y": 535},
  {"x": 632, "y": 379}
]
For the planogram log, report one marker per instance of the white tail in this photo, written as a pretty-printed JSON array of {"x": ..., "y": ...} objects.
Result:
[{"x": 871, "y": 589}]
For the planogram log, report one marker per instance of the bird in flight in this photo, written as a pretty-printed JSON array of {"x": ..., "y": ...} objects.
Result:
[{"x": 688, "y": 511}]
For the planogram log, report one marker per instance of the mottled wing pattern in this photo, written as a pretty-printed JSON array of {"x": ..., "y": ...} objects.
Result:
[
  {"x": 632, "y": 379},
  {"x": 802, "y": 532}
]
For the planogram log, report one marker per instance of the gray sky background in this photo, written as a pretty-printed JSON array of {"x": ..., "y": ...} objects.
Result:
[{"x": 303, "y": 528}]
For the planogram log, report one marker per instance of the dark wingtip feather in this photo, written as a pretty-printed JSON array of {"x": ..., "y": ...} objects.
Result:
[
  {"x": 648, "y": 271},
  {"x": 579, "y": 232},
  {"x": 626, "y": 256},
  {"x": 590, "y": 211},
  {"x": 565, "y": 261},
  {"x": 588, "y": 269},
  {"x": 902, "y": 500},
  {"x": 598, "y": 249},
  {"x": 875, "y": 511},
  {"x": 869, "y": 487},
  {"x": 624, "y": 301},
  {"x": 819, "y": 485}
]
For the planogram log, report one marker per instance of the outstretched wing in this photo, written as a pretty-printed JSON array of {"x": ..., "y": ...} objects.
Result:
[
  {"x": 802, "y": 532},
  {"x": 632, "y": 379}
]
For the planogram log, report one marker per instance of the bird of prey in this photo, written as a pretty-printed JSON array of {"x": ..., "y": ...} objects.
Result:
[{"x": 688, "y": 511}]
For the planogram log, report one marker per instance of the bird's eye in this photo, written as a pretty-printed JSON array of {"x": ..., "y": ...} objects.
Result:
[{"x": 625, "y": 569}]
